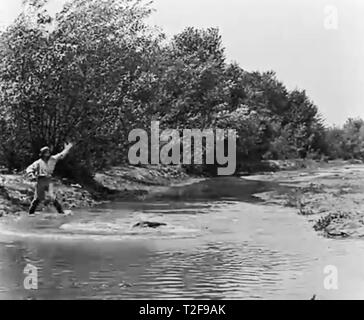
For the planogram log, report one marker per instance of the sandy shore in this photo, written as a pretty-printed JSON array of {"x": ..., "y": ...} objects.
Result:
[{"x": 332, "y": 198}]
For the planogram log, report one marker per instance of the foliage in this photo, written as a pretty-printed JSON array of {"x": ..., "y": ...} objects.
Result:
[
  {"x": 97, "y": 70},
  {"x": 347, "y": 142}
]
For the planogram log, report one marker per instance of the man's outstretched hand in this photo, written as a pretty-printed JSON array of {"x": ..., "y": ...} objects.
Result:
[{"x": 68, "y": 146}]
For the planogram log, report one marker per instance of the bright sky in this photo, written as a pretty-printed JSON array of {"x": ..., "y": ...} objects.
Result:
[{"x": 287, "y": 36}]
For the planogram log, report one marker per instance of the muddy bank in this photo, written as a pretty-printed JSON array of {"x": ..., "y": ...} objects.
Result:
[
  {"x": 332, "y": 198},
  {"x": 117, "y": 183}
]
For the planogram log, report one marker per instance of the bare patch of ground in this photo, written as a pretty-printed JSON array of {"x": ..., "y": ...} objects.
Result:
[
  {"x": 332, "y": 198},
  {"x": 124, "y": 183}
]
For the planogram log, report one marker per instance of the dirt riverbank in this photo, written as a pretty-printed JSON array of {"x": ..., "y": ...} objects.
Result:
[
  {"x": 121, "y": 183},
  {"x": 331, "y": 197}
]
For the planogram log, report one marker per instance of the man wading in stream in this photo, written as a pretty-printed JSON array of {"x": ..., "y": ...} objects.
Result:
[{"x": 42, "y": 170}]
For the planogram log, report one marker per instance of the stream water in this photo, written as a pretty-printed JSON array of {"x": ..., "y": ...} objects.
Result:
[{"x": 219, "y": 242}]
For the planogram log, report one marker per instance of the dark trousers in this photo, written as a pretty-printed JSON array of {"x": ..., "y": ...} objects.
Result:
[
  {"x": 36, "y": 202},
  {"x": 44, "y": 184}
]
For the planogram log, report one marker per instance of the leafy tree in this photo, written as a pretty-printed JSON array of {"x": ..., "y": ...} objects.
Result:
[
  {"x": 97, "y": 70},
  {"x": 75, "y": 80}
]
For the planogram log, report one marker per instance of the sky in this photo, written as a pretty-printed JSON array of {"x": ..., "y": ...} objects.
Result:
[{"x": 316, "y": 45}]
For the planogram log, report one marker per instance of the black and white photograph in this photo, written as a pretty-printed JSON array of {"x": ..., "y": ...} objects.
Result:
[{"x": 184, "y": 150}]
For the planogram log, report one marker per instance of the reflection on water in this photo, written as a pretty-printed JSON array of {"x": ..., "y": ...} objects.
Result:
[{"x": 219, "y": 243}]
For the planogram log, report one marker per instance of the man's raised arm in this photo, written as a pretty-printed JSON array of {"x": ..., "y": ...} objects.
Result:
[{"x": 63, "y": 154}]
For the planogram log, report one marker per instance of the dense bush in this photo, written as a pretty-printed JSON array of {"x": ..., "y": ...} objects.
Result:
[
  {"x": 98, "y": 70},
  {"x": 346, "y": 142}
]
